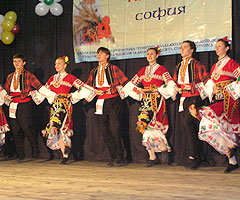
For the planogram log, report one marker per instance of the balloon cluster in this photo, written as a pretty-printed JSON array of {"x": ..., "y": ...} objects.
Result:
[
  {"x": 43, "y": 8},
  {"x": 8, "y": 27}
]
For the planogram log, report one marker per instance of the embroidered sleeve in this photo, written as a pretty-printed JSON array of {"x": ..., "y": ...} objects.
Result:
[
  {"x": 130, "y": 90},
  {"x": 136, "y": 80},
  {"x": 78, "y": 84},
  {"x": 166, "y": 77},
  {"x": 3, "y": 94},
  {"x": 234, "y": 88},
  {"x": 236, "y": 72},
  {"x": 168, "y": 90}
]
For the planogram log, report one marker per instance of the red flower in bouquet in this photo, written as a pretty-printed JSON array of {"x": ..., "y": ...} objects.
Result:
[{"x": 103, "y": 28}]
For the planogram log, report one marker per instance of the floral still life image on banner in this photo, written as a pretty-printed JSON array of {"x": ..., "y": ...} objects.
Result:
[{"x": 89, "y": 23}]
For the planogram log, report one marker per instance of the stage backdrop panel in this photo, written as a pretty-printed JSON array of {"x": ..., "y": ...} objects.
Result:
[{"x": 129, "y": 27}]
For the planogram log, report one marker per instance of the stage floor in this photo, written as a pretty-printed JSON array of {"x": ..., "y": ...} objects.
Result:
[{"x": 95, "y": 180}]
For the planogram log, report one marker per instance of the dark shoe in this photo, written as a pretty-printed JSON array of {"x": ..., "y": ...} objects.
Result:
[
  {"x": 230, "y": 168},
  {"x": 232, "y": 152},
  {"x": 196, "y": 164},
  {"x": 110, "y": 163},
  {"x": 152, "y": 163},
  {"x": 192, "y": 162},
  {"x": 20, "y": 160},
  {"x": 64, "y": 160},
  {"x": 119, "y": 163}
]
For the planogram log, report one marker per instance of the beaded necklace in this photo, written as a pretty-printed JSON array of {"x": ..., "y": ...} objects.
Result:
[
  {"x": 16, "y": 79},
  {"x": 57, "y": 81},
  {"x": 184, "y": 69},
  {"x": 149, "y": 77},
  {"x": 101, "y": 73},
  {"x": 217, "y": 70}
]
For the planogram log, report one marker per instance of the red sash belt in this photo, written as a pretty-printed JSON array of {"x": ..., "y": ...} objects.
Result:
[
  {"x": 106, "y": 96},
  {"x": 17, "y": 99},
  {"x": 189, "y": 93}
]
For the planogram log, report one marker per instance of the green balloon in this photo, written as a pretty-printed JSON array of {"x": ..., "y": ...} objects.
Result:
[
  {"x": 11, "y": 16},
  {"x": 7, "y": 25},
  {"x": 48, "y": 2},
  {"x": 7, "y": 37}
]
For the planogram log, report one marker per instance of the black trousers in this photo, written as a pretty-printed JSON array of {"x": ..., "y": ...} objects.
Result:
[
  {"x": 109, "y": 127},
  {"x": 21, "y": 125},
  {"x": 190, "y": 127}
]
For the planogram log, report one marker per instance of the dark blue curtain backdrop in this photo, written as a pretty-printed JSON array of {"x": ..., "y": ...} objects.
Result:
[{"x": 43, "y": 39}]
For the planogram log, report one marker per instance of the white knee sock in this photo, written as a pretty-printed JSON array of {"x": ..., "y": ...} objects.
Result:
[
  {"x": 152, "y": 155},
  {"x": 232, "y": 160}
]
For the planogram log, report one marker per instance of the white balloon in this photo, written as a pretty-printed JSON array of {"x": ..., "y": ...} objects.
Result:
[
  {"x": 1, "y": 30},
  {"x": 56, "y": 9},
  {"x": 1, "y": 19},
  {"x": 56, "y": 1},
  {"x": 41, "y": 9}
]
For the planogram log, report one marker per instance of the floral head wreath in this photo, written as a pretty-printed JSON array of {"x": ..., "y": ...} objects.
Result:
[
  {"x": 158, "y": 50},
  {"x": 66, "y": 59},
  {"x": 227, "y": 40}
]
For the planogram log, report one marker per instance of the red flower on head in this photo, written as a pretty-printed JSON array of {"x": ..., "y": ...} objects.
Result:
[
  {"x": 227, "y": 40},
  {"x": 103, "y": 28},
  {"x": 66, "y": 59},
  {"x": 158, "y": 50}
]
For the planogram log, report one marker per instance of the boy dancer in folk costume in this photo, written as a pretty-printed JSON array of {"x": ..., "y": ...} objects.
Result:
[
  {"x": 108, "y": 80},
  {"x": 3, "y": 122},
  {"x": 220, "y": 122},
  {"x": 18, "y": 85},
  {"x": 60, "y": 127},
  {"x": 152, "y": 119},
  {"x": 188, "y": 73}
]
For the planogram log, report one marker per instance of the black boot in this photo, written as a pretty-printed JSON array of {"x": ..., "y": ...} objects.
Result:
[
  {"x": 152, "y": 162},
  {"x": 193, "y": 162},
  {"x": 196, "y": 164},
  {"x": 119, "y": 162},
  {"x": 64, "y": 160},
  {"x": 230, "y": 168}
]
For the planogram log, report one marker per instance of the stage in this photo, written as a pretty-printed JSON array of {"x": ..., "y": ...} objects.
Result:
[{"x": 95, "y": 180}]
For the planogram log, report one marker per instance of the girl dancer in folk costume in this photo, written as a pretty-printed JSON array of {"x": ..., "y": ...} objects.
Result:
[
  {"x": 220, "y": 122},
  {"x": 60, "y": 127},
  {"x": 3, "y": 122},
  {"x": 152, "y": 119}
]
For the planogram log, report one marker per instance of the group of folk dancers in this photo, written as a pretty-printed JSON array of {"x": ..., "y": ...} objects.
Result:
[{"x": 208, "y": 104}]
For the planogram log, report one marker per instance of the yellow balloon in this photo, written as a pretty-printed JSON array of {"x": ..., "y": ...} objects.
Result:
[
  {"x": 11, "y": 16},
  {"x": 7, "y": 25},
  {"x": 7, "y": 37}
]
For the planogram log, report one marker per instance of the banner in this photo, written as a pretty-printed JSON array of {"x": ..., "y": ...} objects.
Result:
[{"x": 129, "y": 27}]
